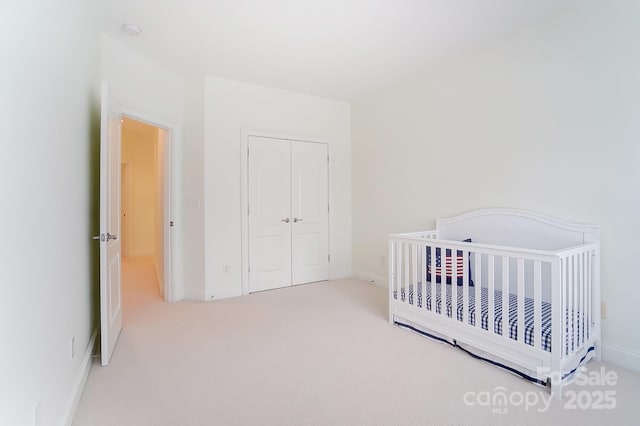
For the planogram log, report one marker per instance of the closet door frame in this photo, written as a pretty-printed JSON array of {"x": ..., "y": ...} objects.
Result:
[{"x": 244, "y": 186}]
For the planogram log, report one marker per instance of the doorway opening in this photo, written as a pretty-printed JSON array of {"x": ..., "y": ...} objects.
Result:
[{"x": 145, "y": 210}]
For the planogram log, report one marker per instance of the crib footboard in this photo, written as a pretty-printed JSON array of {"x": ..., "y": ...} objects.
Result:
[{"x": 533, "y": 309}]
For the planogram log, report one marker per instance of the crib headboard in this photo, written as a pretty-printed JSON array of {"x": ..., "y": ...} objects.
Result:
[{"x": 516, "y": 228}]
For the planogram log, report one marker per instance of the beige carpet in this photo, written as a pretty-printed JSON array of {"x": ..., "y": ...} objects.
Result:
[{"x": 319, "y": 354}]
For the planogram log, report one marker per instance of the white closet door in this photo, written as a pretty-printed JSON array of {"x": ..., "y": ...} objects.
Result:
[
  {"x": 309, "y": 208},
  {"x": 269, "y": 213}
]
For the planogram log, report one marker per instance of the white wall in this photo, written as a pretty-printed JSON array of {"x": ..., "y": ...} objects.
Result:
[
  {"x": 232, "y": 106},
  {"x": 139, "y": 143},
  {"x": 193, "y": 182},
  {"x": 544, "y": 119},
  {"x": 50, "y": 119},
  {"x": 149, "y": 91}
]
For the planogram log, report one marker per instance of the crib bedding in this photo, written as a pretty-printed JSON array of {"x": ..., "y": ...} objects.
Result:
[{"x": 497, "y": 327}]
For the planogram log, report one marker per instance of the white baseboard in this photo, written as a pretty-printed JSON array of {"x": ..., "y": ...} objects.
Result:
[
  {"x": 336, "y": 273},
  {"x": 378, "y": 280},
  {"x": 621, "y": 356},
  {"x": 78, "y": 387},
  {"x": 190, "y": 294}
]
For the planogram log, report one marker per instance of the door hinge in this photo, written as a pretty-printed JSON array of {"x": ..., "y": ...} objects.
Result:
[{"x": 171, "y": 223}]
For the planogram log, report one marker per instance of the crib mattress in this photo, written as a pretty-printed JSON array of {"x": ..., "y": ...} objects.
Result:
[{"x": 497, "y": 326}]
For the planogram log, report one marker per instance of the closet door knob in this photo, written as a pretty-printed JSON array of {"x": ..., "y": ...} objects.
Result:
[
  {"x": 295, "y": 219},
  {"x": 286, "y": 220}
]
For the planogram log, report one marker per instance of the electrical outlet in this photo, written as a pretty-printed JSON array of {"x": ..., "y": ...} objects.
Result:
[
  {"x": 604, "y": 310},
  {"x": 73, "y": 347}
]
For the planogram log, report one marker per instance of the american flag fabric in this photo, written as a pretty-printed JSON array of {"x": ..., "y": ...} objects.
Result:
[{"x": 449, "y": 264}]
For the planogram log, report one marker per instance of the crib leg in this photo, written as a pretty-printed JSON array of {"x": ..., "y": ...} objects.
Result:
[
  {"x": 556, "y": 390},
  {"x": 598, "y": 350}
]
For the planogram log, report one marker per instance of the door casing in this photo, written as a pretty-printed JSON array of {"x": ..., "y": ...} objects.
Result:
[{"x": 126, "y": 207}]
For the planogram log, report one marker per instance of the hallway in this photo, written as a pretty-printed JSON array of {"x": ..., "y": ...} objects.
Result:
[{"x": 140, "y": 290}]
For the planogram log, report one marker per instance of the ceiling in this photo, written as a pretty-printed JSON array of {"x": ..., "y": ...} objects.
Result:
[{"x": 339, "y": 49}]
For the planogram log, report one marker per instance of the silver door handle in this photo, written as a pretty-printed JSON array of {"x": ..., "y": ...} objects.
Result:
[
  {"x": 286, "y": 220},
  {"x": 105, "y": 237},
  {"x": 295, "y": 219}
]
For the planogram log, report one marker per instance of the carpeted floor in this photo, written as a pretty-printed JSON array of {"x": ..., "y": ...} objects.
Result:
[{"x": 318, "y": 354}]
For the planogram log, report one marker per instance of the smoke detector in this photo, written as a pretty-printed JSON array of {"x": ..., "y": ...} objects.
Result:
[{"x": 131, "y": 30}]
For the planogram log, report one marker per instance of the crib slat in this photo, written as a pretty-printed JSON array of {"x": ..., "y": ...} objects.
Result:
[
  {"x": 590, "y": 289},
  {"x": 423, "y": 269},
  {"x": 403, "y": 271},
  {"x": 397, "y": 269},
  {"x": 577, "y": 295},
  {"x": 537, "y": 304},
  {"x": 400, "y": 270},
  {"x": 465, "y": 287},
  {"x": 587, "y": 289},
  {"x": 477, "y": 257},
  {"x": 505, "y": 296},
  {"x": 409, "y": 260},
  {"x": 405, "y": 275},
  {"x": 392, "y": 268},
  {"x": 569, "y": 304},
  {"x": 587, "y": 294},
  {"x": 574, "y": 299},
  {"x": 454, "y": 282},
  {"x": 520, "y": 300},
  {"x": 414, "y": 272},
  {"x": 563, "y": 307},
  {"x": 581, "y": 286},
  {"x": 491, "y": 278},
  {"x": 434, "y": 300}
]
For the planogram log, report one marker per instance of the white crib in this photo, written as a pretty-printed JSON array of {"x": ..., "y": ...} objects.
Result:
[{"x": 549, "y": 268}]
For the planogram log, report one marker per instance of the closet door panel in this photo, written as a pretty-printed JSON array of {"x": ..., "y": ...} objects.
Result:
[
  {"x": 269, "y": 213},
  {"x": 309, "y": 208}
]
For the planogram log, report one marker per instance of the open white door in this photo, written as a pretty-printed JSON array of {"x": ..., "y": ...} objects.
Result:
[{"x": 110, "y": 256}]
